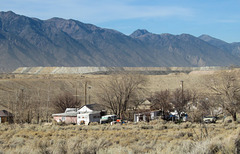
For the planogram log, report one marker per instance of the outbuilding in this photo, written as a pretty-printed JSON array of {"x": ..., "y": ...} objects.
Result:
[
  {"x": 86, "y": 118},
  {"x": 6, "y": 116},
  {"x": 147, "y": 116},
  {"x": 68, "y": 117}
]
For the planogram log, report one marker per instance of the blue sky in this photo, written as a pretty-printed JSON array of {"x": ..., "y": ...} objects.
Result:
[{"x": 217, "y": 18}]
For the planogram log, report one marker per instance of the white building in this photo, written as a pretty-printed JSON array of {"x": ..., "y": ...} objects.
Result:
[
  {"x": 90, "y": 113},
  {"x": 88, "y": 117}
]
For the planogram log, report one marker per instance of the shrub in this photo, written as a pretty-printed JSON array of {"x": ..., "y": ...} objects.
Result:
[
  {"x": 16, "y": 142},
  {"x": 146, "y": 127}
]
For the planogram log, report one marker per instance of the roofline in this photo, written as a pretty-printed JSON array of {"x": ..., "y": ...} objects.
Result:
[{"x": 64, "y": 114}]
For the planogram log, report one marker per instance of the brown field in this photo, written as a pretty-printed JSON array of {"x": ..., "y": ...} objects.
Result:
[
  {"x": 44, "y": 86},
  {"x": 154, "y": 137}
]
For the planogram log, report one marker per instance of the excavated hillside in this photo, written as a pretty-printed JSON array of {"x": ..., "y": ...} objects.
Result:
[{"x": 111, "y": 70}]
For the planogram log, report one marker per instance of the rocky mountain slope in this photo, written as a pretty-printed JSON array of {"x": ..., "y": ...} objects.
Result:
[
  {"x": 233, "y": 48},
  {"x": 29, "y": 42}
]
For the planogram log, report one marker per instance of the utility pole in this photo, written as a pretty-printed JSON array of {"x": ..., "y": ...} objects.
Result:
[
  {"x": 22, "y": 106},
  {"x": 13, "y": 111},
  {"x": 182, "y": 91},
  {"x": 8, "y": 108},
  {"x": 87, "y": 97},
  {"x": 76, "y": 95},
  {"x": 48, "y": 100},
  {"x": 89, "y": 102},
  {"x": 85, "y": 92},
  {"x": 16, "y": 112},
  {"x": 22, "y": 95}
]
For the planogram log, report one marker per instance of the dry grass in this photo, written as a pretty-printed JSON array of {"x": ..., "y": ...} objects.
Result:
[
  {"x": 39, "y": 85},
  {"x": 154, "y": 137}
]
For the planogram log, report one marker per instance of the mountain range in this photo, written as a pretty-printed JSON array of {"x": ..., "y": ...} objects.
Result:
[{"x": 29, "y": 42}]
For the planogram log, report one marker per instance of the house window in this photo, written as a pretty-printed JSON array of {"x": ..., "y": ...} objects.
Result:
[{"x": 63, "y": 118}]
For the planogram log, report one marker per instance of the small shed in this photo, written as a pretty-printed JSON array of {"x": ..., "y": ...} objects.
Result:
[
  {"x": 69, "y": 116},
  {"x": 147, "y": 116},
  {"x": 6, "y": 116},
  {"x": 86, "y": 118}
]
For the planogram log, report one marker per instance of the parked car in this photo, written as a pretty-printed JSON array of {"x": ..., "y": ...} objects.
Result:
[
  {"x": 108, "y": 119},
  {"x": 209, "y": 119}
]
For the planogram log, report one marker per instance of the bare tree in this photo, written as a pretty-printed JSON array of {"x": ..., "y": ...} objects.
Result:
[
  {"x": 203, "y": 105},
  {"x": 225, "y": 86},
  {"x": 181, "y": 99},
  {"x": 162, "y": 100},
  {"x": 66, "y": 100},
  {"x": 22, "y": 106},
  {"x": 119, "y": 93}
]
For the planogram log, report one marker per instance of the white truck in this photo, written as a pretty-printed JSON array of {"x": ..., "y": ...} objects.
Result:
[
  {"x": 210, "y": 119},
  {"x": 108, "y": 119}
]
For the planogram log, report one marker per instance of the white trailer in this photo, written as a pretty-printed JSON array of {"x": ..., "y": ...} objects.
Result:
[{"x": 86, "y": 118}]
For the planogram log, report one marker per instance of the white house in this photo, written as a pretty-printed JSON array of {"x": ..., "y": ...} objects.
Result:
[{"x": 90, "y": 113}]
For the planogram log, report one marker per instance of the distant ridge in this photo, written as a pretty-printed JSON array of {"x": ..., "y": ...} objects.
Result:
[
  {"x": 233, "y": 48},
  {"x": 31, "y": 42}
]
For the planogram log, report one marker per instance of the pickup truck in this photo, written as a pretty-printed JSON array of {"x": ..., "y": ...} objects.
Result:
[
  {"x": 209, "y": 119},
  {"x": 108, "y": 119}
]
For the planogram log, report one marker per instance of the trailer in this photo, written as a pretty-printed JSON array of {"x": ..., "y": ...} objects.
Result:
[{"x": 68, "y": 117}]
